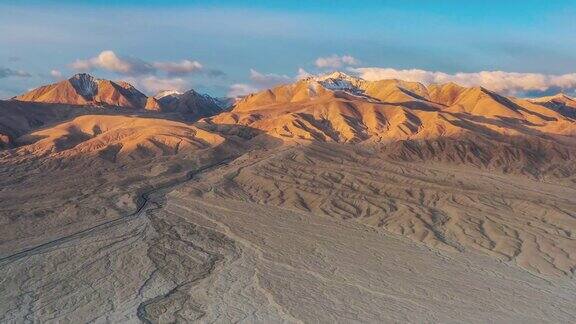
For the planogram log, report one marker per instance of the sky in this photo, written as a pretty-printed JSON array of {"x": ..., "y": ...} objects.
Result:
[{"x": 230, "y": 48}]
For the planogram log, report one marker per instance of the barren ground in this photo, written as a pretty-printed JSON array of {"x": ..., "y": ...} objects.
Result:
[{"x": 327, "y": 233}]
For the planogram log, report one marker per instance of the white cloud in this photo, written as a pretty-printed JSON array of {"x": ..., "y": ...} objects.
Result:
[
  {"x": 500, "y": 81},
  {"x": 56, "y": 74},
  {"x": 152, "y": 84},
  {"x": 240, "y": 90},
  {"x": 258, "y": 81},
  {"x": 302, "y": 74},
  {"x": 108, "y": 60},
  {"x": 269, "y": 80},
  {"x": 349, "y": 60},
  {"x": 83, "y": 65},
  {"x": 179, "y": 68},
  {"x": 335, "y": 61},
  {"x": 7, "y": 72},
  {"x": 509, "y": 83}
]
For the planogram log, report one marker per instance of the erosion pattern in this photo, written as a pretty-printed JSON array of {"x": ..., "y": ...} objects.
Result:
[
  {"x": 217, "y": 249},
  {"x": 509, "y": 217},
  {"x": 93, "y": 169},
  {"x": 185, "y": 258},
  {"x": 329, "y": 200}
]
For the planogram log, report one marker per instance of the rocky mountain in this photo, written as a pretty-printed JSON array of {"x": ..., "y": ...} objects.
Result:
[
  {"x": 341, "y": 108},
  {"x": 19, "y": 117},
  {"x": 310, "y": 186},
  {"x": 84, "y": 89},
  {"x": 560, "y": 103},
  {"x": 446, "y": 122},
  {"x": 189, "y": 103}
]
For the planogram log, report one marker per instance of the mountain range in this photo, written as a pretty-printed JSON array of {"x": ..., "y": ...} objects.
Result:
[
  {"x": 374, "y": 201},
  {"x": 439, "y": 121},
  {"x": 85, "y": 90},
  {"x": 93, "y": 124},
  {"x": 337, "y": 107}
]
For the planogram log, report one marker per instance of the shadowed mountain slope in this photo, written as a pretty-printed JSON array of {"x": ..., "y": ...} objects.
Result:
[
  {"x": 189, "y": 103},
  {"x": 341, "y": 108},
  {"x": 442, "y": 122},
  {"x": 331, "y": 198},
  {"x": 85, "y": 90}
]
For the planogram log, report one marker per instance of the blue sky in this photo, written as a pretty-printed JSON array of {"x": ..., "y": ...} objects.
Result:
[{"x": 258, "y": 43}]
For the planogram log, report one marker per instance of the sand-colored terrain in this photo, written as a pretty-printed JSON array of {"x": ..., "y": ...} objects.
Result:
[
  {"x": 199, "y": 256},
  {"x": 509, "y": 217},
  {"x": 94, "y": 168},
  {"x": 341, "y": 108},
  {"x": 83, "y": 89},
  {"x": 332, "y": 199}
]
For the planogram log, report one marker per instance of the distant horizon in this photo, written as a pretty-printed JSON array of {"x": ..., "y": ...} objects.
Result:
[
  {"x": 232, "y": 47},
  {"x": 94, "y": 75}
]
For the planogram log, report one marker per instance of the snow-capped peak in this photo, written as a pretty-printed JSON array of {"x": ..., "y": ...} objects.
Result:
[
  {"x": 85, "y": 84},
  {"x": 338, "y": 81},
  {"x": 166, "y": 93},
  {"x": 336, "y": 75}
]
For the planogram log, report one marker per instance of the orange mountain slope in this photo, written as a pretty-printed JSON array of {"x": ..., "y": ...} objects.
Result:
[
  {"x": 83, "y": 89},
  {"x": 342, "y": 108}
]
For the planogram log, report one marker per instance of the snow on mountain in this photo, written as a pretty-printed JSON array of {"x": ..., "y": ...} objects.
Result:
[
  {"x": 337, "y": 81},
  {"x": 166, "y": 93},
  {"x": 85, "y": 84}
]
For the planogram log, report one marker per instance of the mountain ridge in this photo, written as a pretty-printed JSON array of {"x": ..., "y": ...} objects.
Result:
[
  {"x": 410, "y": 121},
  {"x": 446, "y": 171},
  {"x": 342, "y": 108},
  {"x": 85, "y": 90}
]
